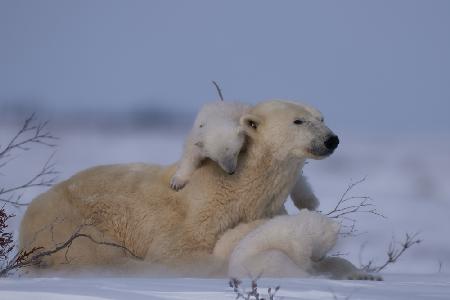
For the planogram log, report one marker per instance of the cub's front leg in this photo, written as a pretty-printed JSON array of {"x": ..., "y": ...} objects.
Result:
[
  {"x": 302, "y": 194},
  {"x": 189, "y": 162}
]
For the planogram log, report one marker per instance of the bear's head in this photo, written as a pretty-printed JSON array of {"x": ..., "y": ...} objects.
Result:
[{"x": 290, "y": 129}]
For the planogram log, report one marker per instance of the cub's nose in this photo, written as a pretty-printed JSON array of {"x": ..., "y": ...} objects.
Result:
[{"x": 332, "y": 142}]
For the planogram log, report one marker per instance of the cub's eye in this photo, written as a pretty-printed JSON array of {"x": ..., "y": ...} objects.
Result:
[{"x": 298, "y": 122}]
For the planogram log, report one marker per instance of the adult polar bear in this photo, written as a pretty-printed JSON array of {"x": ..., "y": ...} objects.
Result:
[{"x": 133, "y": 204}]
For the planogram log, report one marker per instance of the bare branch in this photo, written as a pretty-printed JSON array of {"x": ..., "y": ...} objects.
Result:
[
  {"x": 241, "y": 293},
  {"x": 219, "y": 91},
  {"x": 28, "y": 134},
  {"x": 46, "y": 177},
  {"x": 235, "y": 284},
  {"x": 35, "y": 255},
  {"x": 394, "y": 252},
  {"x": 15, "y": 202},
  {"x": 348, "y": 205},
  {"x": 6, "y": 238}
]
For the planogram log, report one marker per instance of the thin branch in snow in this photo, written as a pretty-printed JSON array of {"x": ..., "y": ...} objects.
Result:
[
  {"x": 6, "y": 238},
  {"x": 29, "y": 134},
  {"x": 35, "y": 255},
  {"x": 395, "y": 251},
  {"x": 348, "y": 205},
  {"x": 253, "y": 293},
  {"x": 219, "y": 91}
]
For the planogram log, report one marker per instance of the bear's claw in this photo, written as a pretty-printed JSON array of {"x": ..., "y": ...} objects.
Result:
[{"x": 364, "y": 276}]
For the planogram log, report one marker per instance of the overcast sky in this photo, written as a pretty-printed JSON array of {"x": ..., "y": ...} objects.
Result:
[{"x": 368, "y": 65}]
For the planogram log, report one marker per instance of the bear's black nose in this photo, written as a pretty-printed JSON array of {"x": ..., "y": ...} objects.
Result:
[{"x": 332, "y": 142}]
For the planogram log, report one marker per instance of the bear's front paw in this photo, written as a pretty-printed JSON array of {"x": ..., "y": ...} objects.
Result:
[
  {"x": 311, "y": 202},
  {"x": 364, "y": 276},
  {"x": 177, "y": 183}
]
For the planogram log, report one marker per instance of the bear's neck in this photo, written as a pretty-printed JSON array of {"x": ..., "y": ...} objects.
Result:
[
  {"x": 257, "y": 190},
  {"x": 264, "y": 182}
]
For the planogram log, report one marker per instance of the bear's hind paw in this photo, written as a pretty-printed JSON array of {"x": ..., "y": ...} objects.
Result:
[{"x": 364, "y": 276}]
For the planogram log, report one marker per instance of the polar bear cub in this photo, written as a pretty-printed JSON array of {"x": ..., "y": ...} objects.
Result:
[
  {"x": 282, "y": 246},
  {"x": 217, "y": 135}
]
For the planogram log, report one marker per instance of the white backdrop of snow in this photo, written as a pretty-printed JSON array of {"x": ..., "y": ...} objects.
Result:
[{"x": 407, "y": 176}]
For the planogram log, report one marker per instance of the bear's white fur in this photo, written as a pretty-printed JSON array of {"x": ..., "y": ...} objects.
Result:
[
  {"x": 302, "y": 194},
  {"x": 217, "y": 135},
  {"x": 132, "y": 205},
  {"x": 282, "y": 246},
  {"x": 285, "y": 246}
]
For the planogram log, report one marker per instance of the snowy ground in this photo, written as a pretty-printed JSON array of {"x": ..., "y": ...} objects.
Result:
[
  {"x": 409, "y": 287},
  {"x": 408, "y": 177}
]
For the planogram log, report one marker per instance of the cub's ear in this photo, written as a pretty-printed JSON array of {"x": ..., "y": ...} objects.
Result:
[{"x": 249, "y": 124}]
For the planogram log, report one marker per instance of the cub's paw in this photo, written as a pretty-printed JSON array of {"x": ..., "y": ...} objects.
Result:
[
  {"x": 364, "y": 276},
  {"x": 177, "y": 183}
]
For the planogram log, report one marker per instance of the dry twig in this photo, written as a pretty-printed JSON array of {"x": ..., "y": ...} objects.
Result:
[
  {"x": 23, "y": 139},
  {"x": 219, "y": 91},
  {"x": 6, "y": 238},
  {"x": 35, "y": 255},
  {"x": 29, "y": 134},
  {"x": 348, "y": 205},
  {"x": 241, "y": 293},
  {"x": 393, "y": 253}
]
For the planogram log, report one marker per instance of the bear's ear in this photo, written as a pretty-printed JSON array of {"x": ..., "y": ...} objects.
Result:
[{"x": 250, "y": 123}]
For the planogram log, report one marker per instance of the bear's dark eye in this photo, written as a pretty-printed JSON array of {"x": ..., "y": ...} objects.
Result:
[
  {"x": 252, "y": 124},
  {"x": 298, "y": 122}
]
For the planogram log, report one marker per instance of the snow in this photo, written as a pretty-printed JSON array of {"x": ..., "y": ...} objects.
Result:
[
  {"x": 44, "y": 296},
  {"x": 407, "y": 176},
  {"x": 395, "y": 286}
]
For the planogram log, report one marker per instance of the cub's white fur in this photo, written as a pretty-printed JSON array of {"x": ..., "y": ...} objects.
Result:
[
  {"x": 217, "y": 135},
  {"x": 282, "y": 246}
]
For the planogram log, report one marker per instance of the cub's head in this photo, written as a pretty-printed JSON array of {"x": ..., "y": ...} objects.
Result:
[
  {"x": 290, "y": 129},
  {"x": 223, "y": 146}
]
